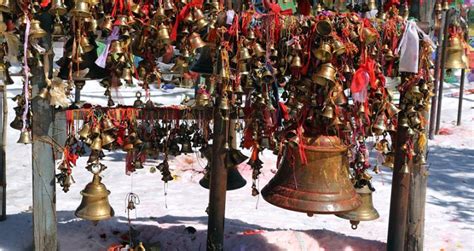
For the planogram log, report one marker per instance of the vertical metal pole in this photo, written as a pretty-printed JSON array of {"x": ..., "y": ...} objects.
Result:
[
  {"x": 44, "y": 185},
  {"x": 397, "y": 224},
  {"x": 3, "y": 162},
  {"x": 434, "y": 99},
  {"x": 461, "y": 96},
  {"x": 447, "y": 21}
]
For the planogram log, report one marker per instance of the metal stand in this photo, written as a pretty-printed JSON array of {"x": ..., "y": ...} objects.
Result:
[{"x": 3, "y": 163}]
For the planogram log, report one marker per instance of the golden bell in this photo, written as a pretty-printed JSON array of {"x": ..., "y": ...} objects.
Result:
[
  {"x": 198, "y": 14},
  {"x": 107, "y": 124},
  {"x": 339, "y": 47},
  {"x": 107, "y": 24},
  {"x": 296, "y": 62},
  {"x": 81, "y": 9},
  {"x": 97, "y": 144},
  {"x": 379, "y": 126},
  {"x": 341, "y": 99},
  {"x": 95, "y": 131},
  {"x": 201, "y": 24},
  {"x": 95, "y": 204},
  {"x": 455, "y": 58},
  {"x": 168, "y": 5},
  {"x": 57, "y": 8},
  {"x": 85, "y": 45},
  {"x": 405, "y": 169},
  {"x": 116, "y": 47},
  {"x": 107, "y": 139},
  {"x": 372, "y": 4},
  {"x": 160, "y": 14},
  {"x": 328, "y": 112},
  {"x": 244, "y": 53},
  {"x": 5, "y": 6},
  {"x": 25, "y": 137},
  {"x": 324, "y": 27},
  {"x": 243, "y": 69},
  {"x": 326, "y": 74},
  {"x": 391, "y": 109},
  {"x": 322, "y": 185},
  {"x": 258, "y": 50},
  {"x": 195, "y": 41},
  {"x": 121, "y": 21},
  {"x": 324, "y": 52},
  {"x": 58, "y": 30},
  {"x": 163, "y": 33},
  {"x": 369, "y": 36},
  {"x": 127, "y": 75},
  {"x": 366, "y": 211},
  {"x": 85, "y": 131},
  {"x": 35, "y": 29},
  {"x": 403, "y": 122},
  {"x": 224, "y": 104}
]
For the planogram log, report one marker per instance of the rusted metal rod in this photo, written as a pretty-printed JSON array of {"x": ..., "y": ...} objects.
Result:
[{"x": 461, "y": 96}]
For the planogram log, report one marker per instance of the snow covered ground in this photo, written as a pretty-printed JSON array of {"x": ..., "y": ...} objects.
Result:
[{"x": 251, "y": 223}]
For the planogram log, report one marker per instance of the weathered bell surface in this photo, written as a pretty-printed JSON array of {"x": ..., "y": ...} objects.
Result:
[
  {"x": 107, "y": 139},
  {"x": 107, "y": 124},
  {"x": 366, "y": 211},
  {"x": 339, "y": 47},
  {"x": 25, "y": 137},
  {"x": 379, "y": 126},
  {"x": 321, "y": 186},
  {"x": 258, "y": 50},
  {"x": 234, "y": 179},
  {"x": 455, "y": 59},
  {"x": 244, "y": 54},
  {"x": 97, "y": 144},
  {"x": 369, "y": 35},
  {"x": 95, "y": 204},
  {"x": 85, "y": 131},
  {"x": 325, "y": 74},
  {"x": 224, "y": 104},
  {"x": 203, "y": 64},
  {"x": 296, "y": 62},
  {"x": 196, "y": 41}
]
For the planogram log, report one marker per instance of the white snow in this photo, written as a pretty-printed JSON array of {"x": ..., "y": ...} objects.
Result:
[{"x": 251, "y": 223}]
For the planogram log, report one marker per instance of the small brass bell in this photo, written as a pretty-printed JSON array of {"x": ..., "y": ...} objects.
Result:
[
  {"x": 81, "y": 9},
  {"x": 372, "y": 5},
  {"x": 258, "y": 50},
  {"x": 107, "y": 24},
  {"x": 366, "y": 211},
  {"x": 58, "y": 30},
  {"x": 138, "y": 102},
  {"x": 244, "y": 54},
  {"x": 296, "y": 62},
  {"x": 107, "y": 124},
  {"x": 339, "y": 47},
  {"x": 85, "y": 45},
  {"x": 163, "y": 33},
  {"x": 95, "y": 204},
  {"x": 369, "y": 36},
  {"x": 326, "y": 74},
  {"x": 25, "y": 137},
  {"x": 57, "y": 8},
  {"x": 243, "y": 69},
  {"x": 405, "y": 169},
  {"x": 97, "y": 144},
  {"x": 391, "y": 109},
  {"x": 116, "y": 47},
  {"x": 224, "y": 104},
  {"x": 127, "y": 75},
  {"x": 379, "y": 127},
  {"x": 324, "y": 52},
  {"x": 5, "y": 6},
  {"x": 328, "y": 112},
  {"x": 456, "y": 55},
  {"x": 107, "y": 139},
  {"x": 195, "y": 41},
  {"x": 201, "y": 24},
  {"x": 35, "y": 29},
  {"x": 85, "y": 131},
  {"x": 403, "y": 122}
]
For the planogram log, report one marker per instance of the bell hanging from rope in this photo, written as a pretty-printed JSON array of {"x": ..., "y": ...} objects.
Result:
[
  {"x": 326, "y": 74},
  {"x": 321, "y": 186},
  {"x": 95, "y": 203},
  {"x": 366, "y": 211},
  {"x": 36, "y": 31},
  {"x": 186, "y": 147},
  {"x": 25, "y": 137},
  {"x": 455, "y": 55},
  {"x": 203, "y": 64},
  {"x": 234, "y": 179},
  {"x": 81, "y": 9},
  {"x": 57, "y": 8}
]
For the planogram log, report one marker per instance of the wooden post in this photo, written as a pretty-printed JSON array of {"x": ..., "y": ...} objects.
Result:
[
  {"x": 3, "y": 162},
  {"x": 218, "y": 185},
  {"x": 44, "y": 189}
]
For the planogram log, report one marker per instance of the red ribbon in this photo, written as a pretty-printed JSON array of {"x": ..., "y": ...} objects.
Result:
[
  {"x": 182, "y": 15},
  {"x": 276, "y": 10}
]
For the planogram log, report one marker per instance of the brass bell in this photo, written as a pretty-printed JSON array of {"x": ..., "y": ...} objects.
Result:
[
  {"x": 195, "y": 41},
  {"x": 224, "y": 104},
  {"x": 198, "y": 14},
  {"x": 328, "y": 112},
  {"x": 389, "y": 160},
  {"x": 85, "y": 131},
  {"x": 296, "y": 62},
  {"x": 201, "y": 24},
  {"x": 456, "y": 55},
  {"x": 25, "y": 137},
  {"x": 57, "y": 8},
  {"x": 35, "y": 29},
  {"x": 322, "y": 185},
  {"x": 85, "y": 45},
  {"x": 121, "y": 21},
  {"x": 369, "y": 36},
  {"x": 107, "y": 139},
  {"x": 97, "y": 144},
  {"x": 163, "y": 33},
  {"x": 366, "y": 211},
  {"x": 326, "y": 74},
  {"x": 258, "y": 50},
  {"x": 341, "y": 99},
  {"x": 107, "y": 124},
  {"x": 5, "y": 6},
  {"x": 324, "y": 27},
  {"x": 391, "y": 109},
  {"x": 127, "y": 75},
  {"x": 95, "y": 204},
  {"x": 58, "y": 30},
  {"x": 403, "y": 122},
  {"x": 244, "y": 53},
  {"x": 81, "y": 9},
  {"x": 379, "y": 126},
  {"x": 405, "y": 169},
  {"x": 372, "y": 5},
  {"x": 168, "y": 5},
  {"x": 243, "y": 69},
  {"x": 107, "y": 24},
  {"x": 339, "y": 47},
  {"x": 181, "y": 66},
  {"x": 202, "y": 100},
  {"x": 324, "y": 52},
  {"x": 116, "y": 47}
]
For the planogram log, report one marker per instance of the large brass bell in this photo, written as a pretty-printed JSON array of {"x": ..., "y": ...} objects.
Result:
[
  {"x": 97, "y": 144},
  {"x": 81, "y": 9},
  {"x": 85, "y": 131},
  {"x": 95, "y": 204},
  {"x": 324, "y": 52},
  {"x": 36, "y": 31},
  {"x": 326, "y": 74},
  {"x": 195, "y": 41},
  {"x": 456, "y": 55},
  {"x": 163, "y": 33},
  {"x": 57, "y": 8},
  {"x": 324, "y": 27},
  {"x": 366, "y": 211},
  {"x": 321, "y": 186}
]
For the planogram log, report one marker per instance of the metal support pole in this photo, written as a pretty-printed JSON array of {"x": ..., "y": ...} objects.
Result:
[
  {"x": 461, "y": 96},
  {"x": 3, "y": 162},
  {"x": 434, "y": 99},
  {"x": 397, "y": 224},
  {"x": 447, "y": 21}
]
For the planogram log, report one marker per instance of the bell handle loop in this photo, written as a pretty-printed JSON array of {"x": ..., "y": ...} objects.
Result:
[{"x": 354, "y": 226}]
